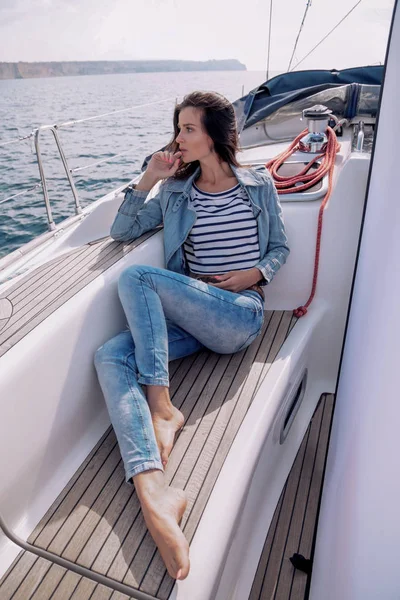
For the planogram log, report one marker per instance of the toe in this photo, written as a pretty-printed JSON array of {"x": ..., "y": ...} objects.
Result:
[
  {"x": 183, "y": 572},
  {"x": 164, "y": 457}
]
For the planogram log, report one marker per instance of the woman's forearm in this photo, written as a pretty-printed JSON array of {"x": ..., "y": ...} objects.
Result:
[{"x": 147, "y": 182}]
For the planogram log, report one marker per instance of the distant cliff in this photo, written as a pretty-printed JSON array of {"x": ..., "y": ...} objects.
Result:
[{"x": 26, "y": 70}]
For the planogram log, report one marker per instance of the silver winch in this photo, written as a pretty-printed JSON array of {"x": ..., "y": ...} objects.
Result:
[{"x": 315, "y": 140}]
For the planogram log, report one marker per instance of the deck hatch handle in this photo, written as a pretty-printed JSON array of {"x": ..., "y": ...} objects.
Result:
[{"x": 294, "y": 402}]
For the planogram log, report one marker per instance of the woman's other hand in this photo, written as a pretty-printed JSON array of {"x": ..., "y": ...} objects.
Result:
[
  {"x": 161, "y": 165},
  {"x": 237, "y": 281}
]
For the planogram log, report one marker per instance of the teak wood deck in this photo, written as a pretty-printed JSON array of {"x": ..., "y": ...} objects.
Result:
[
  {"x": 294, "y": 522},
  {"x": 39, "y": 293}
]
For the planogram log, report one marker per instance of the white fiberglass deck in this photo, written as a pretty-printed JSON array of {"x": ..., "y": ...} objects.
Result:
[{"x": 87, "y": 537}]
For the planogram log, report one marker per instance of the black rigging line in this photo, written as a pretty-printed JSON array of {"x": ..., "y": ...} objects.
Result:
[
  {"x": 269, "y": 37},
  {"x": 298, "y": 35},
  {"x": 327, "y": 35}
]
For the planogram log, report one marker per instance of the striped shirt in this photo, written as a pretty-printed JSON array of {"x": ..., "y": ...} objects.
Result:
[{"x": 224, "y": 237}]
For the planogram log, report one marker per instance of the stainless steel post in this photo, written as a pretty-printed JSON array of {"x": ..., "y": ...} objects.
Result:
[
  {"x": 78, "y": 209},
  {"x": 50, "y": 220}
]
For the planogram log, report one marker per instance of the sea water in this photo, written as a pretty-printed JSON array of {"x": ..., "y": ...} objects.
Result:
[{"x": 29, "y": 103}]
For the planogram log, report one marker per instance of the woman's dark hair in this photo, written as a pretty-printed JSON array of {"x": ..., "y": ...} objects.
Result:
[{"x": 218, "y": 121}]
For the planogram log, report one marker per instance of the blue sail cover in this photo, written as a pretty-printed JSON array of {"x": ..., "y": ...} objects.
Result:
[{"x": 288, "y": 87}]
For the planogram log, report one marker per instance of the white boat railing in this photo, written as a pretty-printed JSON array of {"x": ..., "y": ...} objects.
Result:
[
  {"x": 36, "y": 133},
  {"x": 68, "y": 172}
]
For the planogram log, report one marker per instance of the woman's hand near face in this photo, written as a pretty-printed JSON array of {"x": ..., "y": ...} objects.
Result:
[
  {"x": 161, "y": 165},
  {"x": 164, "y": 164},
  {"x": 237, "y": 281}
]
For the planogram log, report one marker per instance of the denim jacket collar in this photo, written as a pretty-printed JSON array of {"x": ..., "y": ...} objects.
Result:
[{"x": 245, "y": 176}]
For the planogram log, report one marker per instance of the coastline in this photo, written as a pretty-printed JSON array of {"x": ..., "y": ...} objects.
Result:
[{"x": 36, "y": 70}]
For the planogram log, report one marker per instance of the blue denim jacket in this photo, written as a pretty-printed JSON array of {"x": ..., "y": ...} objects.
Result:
[{"x": 171, "y": 207}]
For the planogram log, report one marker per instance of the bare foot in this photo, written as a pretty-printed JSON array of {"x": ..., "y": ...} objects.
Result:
[
  {"x": 166, "y": 425},
  {"x": 163, "y": 510}
]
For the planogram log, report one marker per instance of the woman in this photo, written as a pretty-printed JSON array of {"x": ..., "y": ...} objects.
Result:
[{"x": 223, "y": 238}]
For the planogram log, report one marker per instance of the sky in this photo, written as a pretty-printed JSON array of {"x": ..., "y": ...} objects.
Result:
[{"x": 63, "y": 30}]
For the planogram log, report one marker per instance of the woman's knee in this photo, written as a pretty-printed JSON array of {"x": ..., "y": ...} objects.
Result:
[
  {"x": 132, "y": 277},
  {"x": 128, "y": 277},
  {"x": 120, "y": 347}
]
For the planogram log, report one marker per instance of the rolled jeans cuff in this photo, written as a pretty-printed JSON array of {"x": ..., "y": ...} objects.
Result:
[
  {"x": 144, "y": 466},
  {"x": 146, "y": 380}
]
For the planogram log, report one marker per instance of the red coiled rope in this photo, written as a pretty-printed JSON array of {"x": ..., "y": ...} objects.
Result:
[{"x": 303, "y": 181}]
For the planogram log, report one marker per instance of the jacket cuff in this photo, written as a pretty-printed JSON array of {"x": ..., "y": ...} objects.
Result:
[
  {"x": 267, "y": 273},
  {"x": 134, "y": 199}
]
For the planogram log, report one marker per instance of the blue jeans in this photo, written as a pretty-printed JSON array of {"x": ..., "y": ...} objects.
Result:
[{"x": 169, "y": 316}]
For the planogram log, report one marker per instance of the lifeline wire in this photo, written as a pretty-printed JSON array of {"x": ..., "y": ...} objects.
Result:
[
  {"x": 298, "y": 35},
  {"x": 66, "y": 123},
  {"x": 99, "y": 162},
  {"x": 21, "y": 193},
  {"x": 20, "y": 139},
  {"x": 327, "y": 35},
  {"x": 114, "y": 112}
]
